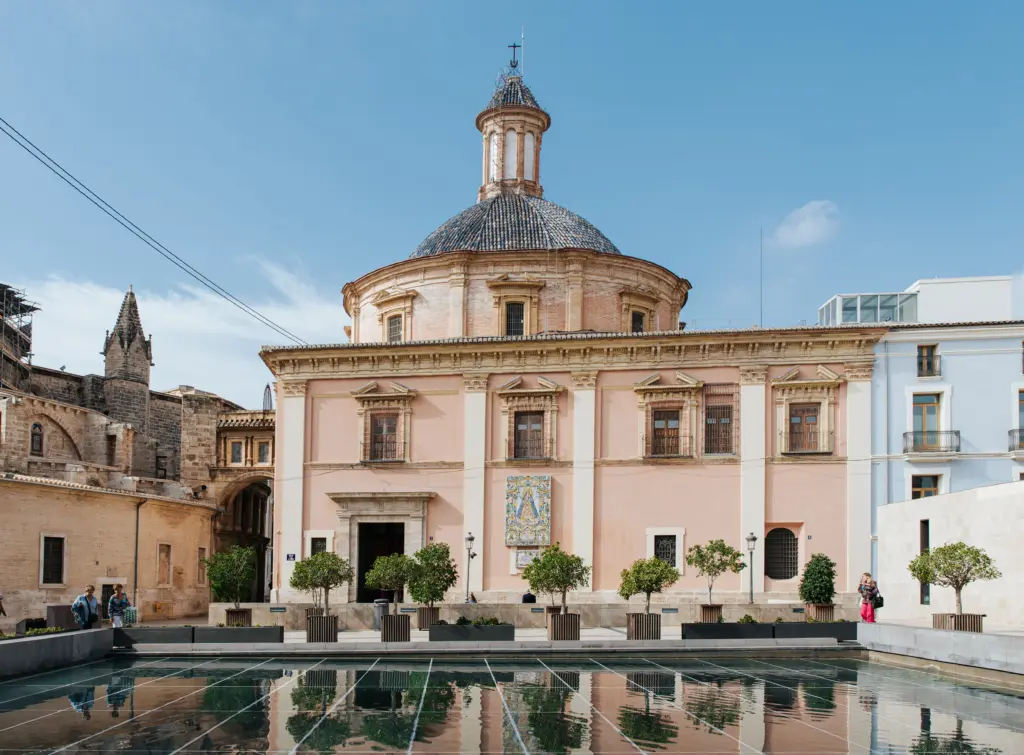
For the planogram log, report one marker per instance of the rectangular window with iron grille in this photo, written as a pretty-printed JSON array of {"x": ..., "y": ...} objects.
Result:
[
  {"x": 665, "y": 548},
  {"x": 529, "y": 436},
  {"x": 383, "y": 437},
  {"x": 514, "y": 318},
  {"x": 664, "y": 433},
  {"x": 720, "y": 403},
  {"x": 53, "y": 561},
  {"x": 317, "y": 545},
  {"x": 394, "y": 329},
  {"x": 927, "y": 361},
  {"x": 638, "y": 322}
]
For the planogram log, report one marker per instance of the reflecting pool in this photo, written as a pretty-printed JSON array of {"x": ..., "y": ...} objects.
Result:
[{"x": 172, "y": 705}]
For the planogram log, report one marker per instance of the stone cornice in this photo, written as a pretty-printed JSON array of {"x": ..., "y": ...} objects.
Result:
[
  {"x": 507, "y": 284},
  {"x": 750, "y": 350},
  {"x": 425, "y": 495},
  {"x": 293, "y": 387}
]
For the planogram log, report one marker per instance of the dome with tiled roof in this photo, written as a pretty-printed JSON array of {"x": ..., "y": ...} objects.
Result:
[
  {"x": 512, "y": 92},
  {"x": 514, "y": 222}
]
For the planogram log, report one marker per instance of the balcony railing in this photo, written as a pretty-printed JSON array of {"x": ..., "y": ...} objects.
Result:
[
  {"x": 932, "y": 441},
  {"x": 529, "y": 449},
  {"x": 1017, "y": 440},
  {"x": 810, "y": 442},
  {"x": 384, "y": 449},
  {"x": 929, "y": 366},
  {"x": 667, "y": 446}
]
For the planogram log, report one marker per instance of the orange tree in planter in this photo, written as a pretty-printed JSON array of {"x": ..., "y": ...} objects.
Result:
[
  {"x": 953, "y": 565},
  {"x": 646, "y": 576},
  {"x": 713, "y": 560}
]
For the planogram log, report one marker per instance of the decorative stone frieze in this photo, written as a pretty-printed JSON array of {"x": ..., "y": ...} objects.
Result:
[
  {"x": 858, "y": 371},
  {"x": 474, "y": 382},
  {"x": 293, "y": 388},
  {"x": 753, "y": 375},
  {"x": 584, "y": 380}
]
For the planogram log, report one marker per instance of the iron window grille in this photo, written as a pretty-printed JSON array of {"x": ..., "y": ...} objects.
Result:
[
  {"x": 383, "y": 444},
  {"x": 514, "y": 318},
  {"x": 665, "y": 548},
  {"x": 1016, "y": 440},
  {"x": 317, "y": 545},
  {"x": 928, "y": 364},
  {"x": 781, "y": 554},
  {"x": 528, "y": 441},
  {"x": 931, "y": 441},
  {"x": 721, "y": 409},
  {"x": 807, "y": 442},
  {"x": 37, "y": 440},
  {"x": 637, "y": 322}
]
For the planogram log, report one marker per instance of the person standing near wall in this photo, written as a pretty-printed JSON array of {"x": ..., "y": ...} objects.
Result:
[
  {"x": 86, "y": 608},
  {"x": 117, "y": 605},
  {"x": 868, "y": 590}
]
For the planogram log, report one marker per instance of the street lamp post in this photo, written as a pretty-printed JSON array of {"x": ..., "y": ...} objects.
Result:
[
  {"x": 751, "y": 542},
  {"x": 469, "y": 560}
]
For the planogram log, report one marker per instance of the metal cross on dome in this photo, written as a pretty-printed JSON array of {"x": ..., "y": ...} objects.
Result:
[{"x": 513, "y": 64}]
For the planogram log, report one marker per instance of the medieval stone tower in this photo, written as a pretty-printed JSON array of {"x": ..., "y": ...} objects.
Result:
[{"x": 129, "y": 355}]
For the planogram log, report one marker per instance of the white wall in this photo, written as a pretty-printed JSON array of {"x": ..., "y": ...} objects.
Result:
[
  {"x": 991, "y": 518},
  {"x": 985, "y": 299}
]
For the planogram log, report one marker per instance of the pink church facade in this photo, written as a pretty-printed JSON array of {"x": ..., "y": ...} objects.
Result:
[{"x": 521, "y": 380}]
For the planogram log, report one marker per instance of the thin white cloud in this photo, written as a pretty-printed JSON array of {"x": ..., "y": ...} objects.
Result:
[
  {"x": 199, "y": 339},
  {"x": 811, "y": 224}
]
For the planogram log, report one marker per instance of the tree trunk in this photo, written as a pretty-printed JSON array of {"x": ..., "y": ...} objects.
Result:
[
  {"x": 959, "y": 605},
  {"x": 327, "y": 603},
  {"x": 647, "y": 608},
  {"x": 563, "y": 611},
  {"x": 709, "y": 593}
]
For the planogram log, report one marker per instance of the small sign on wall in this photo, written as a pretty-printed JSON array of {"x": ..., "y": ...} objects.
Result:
[
  {"x": 289, "y": 557},
  {"x": 278, "y": 609}
]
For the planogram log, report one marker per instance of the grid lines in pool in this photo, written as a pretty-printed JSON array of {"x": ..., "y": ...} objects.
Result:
[{"x": 325, "y": 705}]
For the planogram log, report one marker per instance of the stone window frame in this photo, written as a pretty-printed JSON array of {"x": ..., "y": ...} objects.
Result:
[
  {"x": 373, "y": 401},
  {"x": 201, "y": 575},
  {"x": 684, "y": 396},
  {"x": 32, "y": 434},
  {"x": 391, "y": 302},
  {"x": 637, "y": 300},
  {"x": 270, "y": 452},
  {"x": 680, "y": 536},
  {"x": 508, "y": 290},
  {"x": 514, "y": 398},
  {"x": 170, "y": 564},
  {"x": 309, "y": 535},
  {"x": 231, "y": 441},
  {"x": 796, "y": 530},
  {"x": 64, "y": 562},
  {"x": 823, "y": 390}
]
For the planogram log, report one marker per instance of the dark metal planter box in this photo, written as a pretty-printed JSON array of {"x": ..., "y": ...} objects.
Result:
[
  {"x": 456, "y": 633},
  {"x": 843, "y": 631},
  {"x": 727, "y": 632},
  {"x": 128, "y": 636},
  {"x": 222, "y": 635}
]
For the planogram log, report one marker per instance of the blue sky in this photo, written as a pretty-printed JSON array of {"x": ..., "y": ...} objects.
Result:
[{"x": 286, "y": 148}]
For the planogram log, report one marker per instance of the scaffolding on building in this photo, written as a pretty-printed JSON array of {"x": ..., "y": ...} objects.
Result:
[{"x": 15, "y": 337}]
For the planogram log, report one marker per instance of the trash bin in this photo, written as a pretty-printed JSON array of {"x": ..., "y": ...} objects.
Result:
[{"x": 380, "y": 607}]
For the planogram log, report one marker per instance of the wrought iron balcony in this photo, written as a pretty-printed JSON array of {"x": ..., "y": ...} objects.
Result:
[
  {"x": 929, "y": 366},
  {"x": 808, "y": 442},
  {"x": 1017, "y": 440},
  {"x": 529, "y": 449},
  {"x": 931, "y": 441},
  {"x": 385, "y": 449},
  {"x": 657, "y": 446}
]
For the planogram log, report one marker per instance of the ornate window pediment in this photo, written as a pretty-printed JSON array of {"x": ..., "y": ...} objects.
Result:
[
  {"x": 791, "y": 390},
  {"x": 668, "y": 415},
  {"x": 525, "y": 291},
  {"x": 385, "y": 420},
  {"x": 394, "y": 302},
  {"x": 640, "y": 300},
  {"x": 531, "y": 418}
]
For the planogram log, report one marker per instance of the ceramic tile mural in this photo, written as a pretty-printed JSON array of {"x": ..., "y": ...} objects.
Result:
[
  {"x": 528, "y": 510},
  {"x": 525, "y": 555}
]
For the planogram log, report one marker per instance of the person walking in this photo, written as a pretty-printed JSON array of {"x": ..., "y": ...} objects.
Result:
[
  {"x": 116, "y": 606},
  {"x": 868, "y": 590},
  {"x": 86, "y": 608}
]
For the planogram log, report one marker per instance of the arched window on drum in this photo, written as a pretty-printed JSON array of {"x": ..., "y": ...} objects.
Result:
[
  {"x": 529, "y": 155},
  {"x": 511, "y": 154}
]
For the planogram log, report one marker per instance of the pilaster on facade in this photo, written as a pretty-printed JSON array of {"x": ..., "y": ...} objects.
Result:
[
  {"x": 858, "y": 472},
  {"x": 753, "y": 453},
  {"x": 584, "y": 449},
  {"x": 573, "y": 291},
  {"x": 474, "y": 455},
  {"x": 290, "y": 492}
]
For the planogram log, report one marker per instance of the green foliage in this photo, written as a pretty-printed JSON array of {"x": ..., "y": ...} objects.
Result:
[
  {"x": 556, "y": 572},
  {"x": 434, "y": 574},
  {"x": 391, "y": 729},
  {"x": 325, "y": 737},
  {"x": 44, "y": 630},
  {"x": 462, "y": 621},
  {"x": 437, "y": 701},
  {"x": 953, "y": 565},
  {"x": 231, "y": 574},
  {"x": 818, "y": 583},
  {"x": 715, "y": 708},
  {"x": 649, "y": 730},
  {"x": 747, "y": 619},
  {"x": 948, "y": 744},
  {"x": 779, "y": 620},
  {"x": 321, "y": 573},
  {"x": 647, "y": 576},
  {"x": 555, "y": 730},
  {"x": 713, "y": 560},
  {"x": 390, "y": 573}
]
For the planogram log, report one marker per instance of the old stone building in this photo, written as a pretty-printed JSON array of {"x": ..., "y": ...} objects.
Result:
[{"x": 109, "y": 436}]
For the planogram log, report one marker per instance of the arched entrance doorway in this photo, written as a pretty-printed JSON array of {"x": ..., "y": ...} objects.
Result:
[{"x": 246, "y": 520}]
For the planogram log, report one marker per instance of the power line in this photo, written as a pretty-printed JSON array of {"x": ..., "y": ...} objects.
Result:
[{"x": 58, "y": 170}]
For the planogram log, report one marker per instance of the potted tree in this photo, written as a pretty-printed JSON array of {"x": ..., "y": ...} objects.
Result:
[
  {"x": 319, "y": 574},
  {"x": 644, "y": 577},
  {"x": 392, "y": 573},
  {"x": 231, "y": 576},
  {"x": 433, "y": 575},
  {"x": 818, "y": 587},
  {"x": 712, "y": 561},
  {"x": 954, "y": 565},
  {"x": 556, "y": 571}
]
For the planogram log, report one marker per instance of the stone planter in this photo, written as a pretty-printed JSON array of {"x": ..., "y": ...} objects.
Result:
[
  {"x": 716, "y": 631},
  {"x": 395, "y": 628},
  {"x": 842, "y": 631},
  {"x": 320, "y": 628},
  {"x": 470, "y": 633},
  {"x": 643, "y": 626},
  {"x": 426, "y": 616},
  {"x": 237, "y": 635},
  {"x": 820, "y": 611},
  {"x": 710, "y": 614},
  {"x": 238, "y": 617},
  {"x": 564, "y": 626},
  {"x": 130, "y": 636},
  {"x": 958, "y": 622}
]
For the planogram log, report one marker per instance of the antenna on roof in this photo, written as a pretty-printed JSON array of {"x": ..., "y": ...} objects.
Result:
[{"x": 522, "y": 37}]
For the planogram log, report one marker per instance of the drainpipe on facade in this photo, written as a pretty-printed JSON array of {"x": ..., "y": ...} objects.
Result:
[{"x": 135, "y": 576}]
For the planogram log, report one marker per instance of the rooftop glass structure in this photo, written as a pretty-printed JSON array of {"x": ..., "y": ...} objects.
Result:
[{"x": 844, "y": 309}]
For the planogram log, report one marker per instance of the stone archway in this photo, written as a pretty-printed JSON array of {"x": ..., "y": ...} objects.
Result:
[
  {"x": 354, "y": 509},
  {"x": 246, "y": 519}
]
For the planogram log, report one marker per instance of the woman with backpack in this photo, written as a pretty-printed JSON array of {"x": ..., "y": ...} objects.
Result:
[{"x": 869, "y": 598}]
